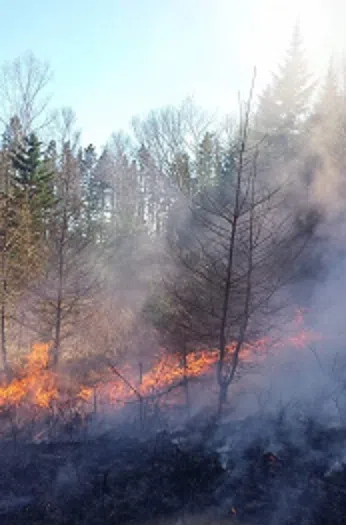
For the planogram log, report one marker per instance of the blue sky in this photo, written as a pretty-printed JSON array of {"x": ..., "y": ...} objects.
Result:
[{"x": 113, "y": 59}]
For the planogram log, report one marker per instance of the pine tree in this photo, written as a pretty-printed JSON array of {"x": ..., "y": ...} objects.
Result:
[
  {"x": 33, "y": 182},
  {"x": 284, "y": 104}
]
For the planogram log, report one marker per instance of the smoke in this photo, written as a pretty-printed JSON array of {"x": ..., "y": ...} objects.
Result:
[{"x": 310, "y": 380}]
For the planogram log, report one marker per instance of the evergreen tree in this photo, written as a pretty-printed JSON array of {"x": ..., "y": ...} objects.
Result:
[
  {"x": 26, "y": 204},
  {"x": 205, "y": 162},
  {"x": 33, "y": 182},
  {"x": 284, "y": 104}
]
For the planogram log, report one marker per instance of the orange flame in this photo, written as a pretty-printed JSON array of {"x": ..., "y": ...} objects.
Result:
[{"x": 39, "y": 386}]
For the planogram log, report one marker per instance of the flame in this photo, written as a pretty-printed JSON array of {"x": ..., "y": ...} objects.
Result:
[
  {"x": 85, "y": 393},
  {"x": 38, "y": 386},
  {"x": 37, "y": 383}
]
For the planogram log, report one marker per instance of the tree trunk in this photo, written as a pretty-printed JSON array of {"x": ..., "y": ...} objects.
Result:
[
  {"x": 225, "y": 380},
  {"x": 223, "y": 391},
  {"x": 56, "y": 348},
  {"x": 60, "y": 291},
  {"x": 3, "y": 310},
  {"x": 3, "y": 339}
]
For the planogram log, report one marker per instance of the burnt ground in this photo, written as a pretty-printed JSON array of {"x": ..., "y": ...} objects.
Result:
[{"x": 272, "y": 471}]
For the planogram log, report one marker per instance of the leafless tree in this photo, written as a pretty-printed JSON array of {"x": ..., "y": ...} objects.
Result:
[
  {"x": 170, "y": 131},
  {"x": 63, "y": 128},
  {"x": 23, "y": 92}
]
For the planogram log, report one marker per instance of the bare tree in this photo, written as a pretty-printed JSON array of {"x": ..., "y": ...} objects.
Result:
[
  {"x": 63, "y": 129},
  {"x": 23, "y": 92},
  {"x": 172, "y": 131},
  {"x": 168, "y": 141}
]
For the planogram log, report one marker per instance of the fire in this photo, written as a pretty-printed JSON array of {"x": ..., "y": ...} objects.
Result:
[
  {"x": 85, "y": 393},
  {"x": 39, "y": 386}
]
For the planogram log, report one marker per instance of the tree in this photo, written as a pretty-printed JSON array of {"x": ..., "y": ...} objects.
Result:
[
  {"x": 54, "y": 303},
  {"x": 31, "y": 204},
  {"x": 26, "y": 202},
  {"x": 330, "y": 94},
  {"x": 66, "y": 272},
  {"x": 13, "y": 135},
  {"x": 172, "y": 132},
  {"x": 181, "y": 173},
  {"x": 154, "y": 196},
  {"x": 91, "y": 193},
  {"x": 4, "y": 233},
  {"x": 326, "y": 139},
  {"x": 123, "y": 185},
  {"x": 33, "y": 181},
  {"x": 284, "y": 104},
  {"x": 206, "y": 162},
  {"x": 11, "y": 138},
  {"x": 230, "y": 255},
  {"x": 23, "y": 85}
]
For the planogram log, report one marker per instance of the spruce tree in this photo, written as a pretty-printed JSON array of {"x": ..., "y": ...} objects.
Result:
[
  {"x": 284, "y": 104},
  {"x": 33, "y": 182}
]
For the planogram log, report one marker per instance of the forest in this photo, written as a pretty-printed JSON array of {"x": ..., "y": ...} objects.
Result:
[
  {"x": 188, "y": 234},
  {"x": 144, "y": 284}
]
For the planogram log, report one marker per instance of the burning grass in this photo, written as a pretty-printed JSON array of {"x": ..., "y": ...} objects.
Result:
[
  {"x": 37, "y": 390},
  {"x": 108, "y": 478}
]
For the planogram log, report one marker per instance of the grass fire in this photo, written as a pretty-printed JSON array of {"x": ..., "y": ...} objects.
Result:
[
  {"x": 172, "y": 333},
  {"x": 37, "y": 390}
]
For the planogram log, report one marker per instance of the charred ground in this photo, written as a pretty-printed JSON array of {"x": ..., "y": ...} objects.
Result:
[{"x": 273, "y": 470}]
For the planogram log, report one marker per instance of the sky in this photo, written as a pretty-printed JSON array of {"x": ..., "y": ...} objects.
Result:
[{"x": 114, "y": 59}]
